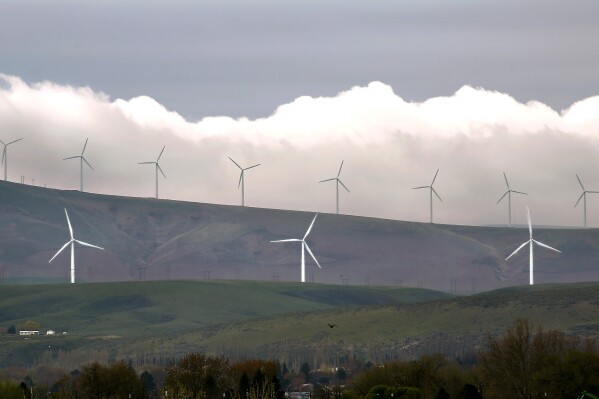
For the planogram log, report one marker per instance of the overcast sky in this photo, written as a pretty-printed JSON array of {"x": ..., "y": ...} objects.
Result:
[{"x": 397, "y": 89}]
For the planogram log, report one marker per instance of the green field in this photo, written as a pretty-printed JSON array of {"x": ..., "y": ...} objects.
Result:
[{"x": 286, "y": 321}]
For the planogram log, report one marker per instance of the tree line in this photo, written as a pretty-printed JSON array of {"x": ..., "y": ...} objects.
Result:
[{"x": 524, "y": 363}]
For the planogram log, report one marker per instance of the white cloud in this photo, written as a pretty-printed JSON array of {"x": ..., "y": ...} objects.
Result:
[{"x": 389, "y": 145}]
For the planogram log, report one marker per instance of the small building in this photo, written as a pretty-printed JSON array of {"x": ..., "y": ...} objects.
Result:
[
  {"x": 29, "y": 332},
  {"x": 50, "y": 332}
]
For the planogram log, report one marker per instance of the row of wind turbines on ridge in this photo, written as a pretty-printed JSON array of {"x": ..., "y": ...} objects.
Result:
[
  {"x": 336, "y": 179},
  {"x": 531, "y": 241}
]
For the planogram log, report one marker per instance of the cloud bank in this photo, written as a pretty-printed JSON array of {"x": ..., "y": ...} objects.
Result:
[{"x": 389, "y": 146}]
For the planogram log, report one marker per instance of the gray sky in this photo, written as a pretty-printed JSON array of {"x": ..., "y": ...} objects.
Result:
[{"x": 471, "y": 87}]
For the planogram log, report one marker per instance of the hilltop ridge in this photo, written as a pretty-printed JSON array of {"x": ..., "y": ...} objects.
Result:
[{"x": 163, "y": 239}]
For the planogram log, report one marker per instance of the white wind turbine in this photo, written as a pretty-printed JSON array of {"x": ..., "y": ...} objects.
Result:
[
  {"x": 304, "y": 247},
  {"x": 432, "y": 190},
  {"x": 531, "y": 241},
  {"x": 5, "y": 156},
  {"x": 72, "y": 243},
  {"x": 583, "y": 196},
  {"x": 157, "y": 168},
  {"x": 81, "y": 159},
  {"x": 242, "y": 179},
  {"x": 337, "y": 181},
  {"x": 509, "y": 199}
]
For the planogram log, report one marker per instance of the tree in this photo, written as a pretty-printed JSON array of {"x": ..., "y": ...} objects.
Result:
[
  {"x": 513, "y": 365},
  {"x": 30, "y": 325},
  {"x": 10, "y": 390},
  {"x": 148, "y": 383},
  {"x": 305, "y": 370},
  {"x": 11, "y": 330},
  {"x": 199, "y": 376}
]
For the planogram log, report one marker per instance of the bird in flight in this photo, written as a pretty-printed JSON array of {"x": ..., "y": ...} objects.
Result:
[{"x": 332, "y": 325}]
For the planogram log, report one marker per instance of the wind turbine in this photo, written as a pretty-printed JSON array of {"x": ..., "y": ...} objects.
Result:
[
  {"x": 5, "y": 156},
  {"x": 304, "y": 247},
  {"x": 583, "y": 196},
  {"x": 509, "y": 199},
  {"x": 242, "y": 179},
  {"x": 72, "y": 243},
  {"x": 531, "y": 241},
  {"x": 337, "y": 181},
  {"x": 157, "y": 168},
  {"x": 432, "y": 190},
  {"x": 81, "y": 159}
]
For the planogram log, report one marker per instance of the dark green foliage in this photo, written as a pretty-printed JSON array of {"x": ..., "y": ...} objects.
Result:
[
  {"x": 199, "y": 376},
  {"x": 469, "y": 391},
  {"x": 148, "y": 383},
  {"x": 11, "y": 330},
  {"x": 305, "y": 370},
  {"x": 10, "y": 390},
  {"x": 442, "y": 394}
]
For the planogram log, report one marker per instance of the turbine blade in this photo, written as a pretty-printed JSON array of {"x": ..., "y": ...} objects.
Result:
[
  {"x": 312, "y": 255},
  {"x": 519, "y": 248},
  {"x": 434, "y": 178},
  {"x": 310, "y": 228},
  {"x": 240, "y": 178},
  {"x": 160, "y": 154},
  {"x": 4, "y": 144},
  {"x": 529, "y": 222},
  {"x": 85, "y": 160},
  {"x": 416, "y": 188},
  {"x": 519, "y": 192},
  {"x": 253, "y": 166},
  {"x": 69, "y": 222},
  {"x": 436, "y": 194},
  {"x": 593, "y": 192},
  {"x": 322, "y": 181},
  {"x": 235, "y": 163},
  {"x": 339, "y": 173},
  {"x": 340, "y": 182},
  {"x": 288, "y": 240},
  {"x": 506, "y": 183},
  {"x": 579, "y": 198},
  {"x": 578, "y": 178},
  {"x": 3, "y": 154},
  {"x": 547, "y": 246},
  {"x": 60, "y": 250},
  {"x": 88, "y": 245},
  {"x": 145, "y": 163},
  {"x": 160, "y": 169},
  {"x": 502, "y": 197},
  {"x": 14, "y": 141},
  {"x": 76, "y": 156},
  {"x": 84, "y": 145}
]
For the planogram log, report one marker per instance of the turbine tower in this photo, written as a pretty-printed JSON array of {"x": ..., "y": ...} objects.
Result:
[
  {"x": 583, "y": 196},
  {"x": 304, "y": 247},
  {"x": 158, "y": 168},
  {"x": 432, "y": 190},
  {"x": 81, "y": 160},
  {"x": 242, "y": 179},
  {"x": 530, "y": 242},
  {"x": 5, "y": 156},
  {"x": 509, "y": 199},
  {"x": 72, "y": 243},
  {"x": 337, "y": 181}
]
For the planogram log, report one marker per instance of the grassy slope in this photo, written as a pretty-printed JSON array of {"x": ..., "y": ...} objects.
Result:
[{"x": 571, "y": 308}]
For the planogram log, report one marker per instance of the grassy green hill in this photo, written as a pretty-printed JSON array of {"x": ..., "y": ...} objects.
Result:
[
  {"x": 106, "y": 314},
  {"x": 182, "y": 240},
  {"x": 155, "y": 321}
]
